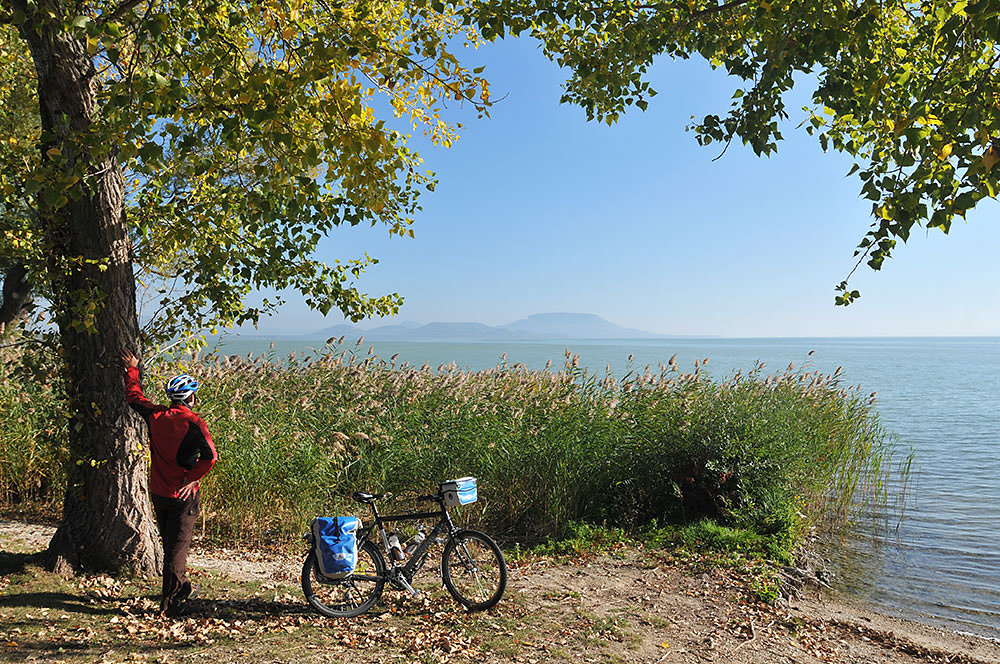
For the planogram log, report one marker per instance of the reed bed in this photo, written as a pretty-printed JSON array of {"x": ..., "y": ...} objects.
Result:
[
  {"x": 33, "y": 433},
  {"x": 769, "y": 453}
]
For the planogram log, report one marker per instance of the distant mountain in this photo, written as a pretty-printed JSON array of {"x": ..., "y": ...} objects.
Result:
[
  {"x": 536, "y": 326},
  {"x": 335, "y": 331},
  {"x": 428, "y": 332},
  {"x": 372, "y": 324},
  {"x": 463, "y": 331},
  {"x": 576, "y": 326},
  {"x": 382, "y": 332}
]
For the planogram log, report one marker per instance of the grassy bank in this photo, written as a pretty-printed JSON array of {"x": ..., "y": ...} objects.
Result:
[{"x": 765, "y": 454}]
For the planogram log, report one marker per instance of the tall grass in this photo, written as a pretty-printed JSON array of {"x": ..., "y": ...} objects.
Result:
[
  {"x": 296, "y": 436},
  {"x": 33, "y": 450}
]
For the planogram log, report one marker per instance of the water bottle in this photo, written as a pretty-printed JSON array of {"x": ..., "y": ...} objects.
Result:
[
  {"x": 395, "y": 549},
  {"x": 414, "y": 542}
]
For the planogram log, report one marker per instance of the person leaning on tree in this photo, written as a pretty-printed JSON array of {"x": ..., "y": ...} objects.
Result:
[{"x": 181, "y": 453}]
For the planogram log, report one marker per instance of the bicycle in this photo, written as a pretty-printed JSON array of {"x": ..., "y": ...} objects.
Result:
[{"x": 473, "y": 568}]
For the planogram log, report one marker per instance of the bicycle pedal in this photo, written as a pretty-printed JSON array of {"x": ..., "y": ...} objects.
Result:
[{"x": 413, "y": 591}]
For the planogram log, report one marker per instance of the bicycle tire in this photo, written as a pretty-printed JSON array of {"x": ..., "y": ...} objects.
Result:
[
  {"x": 473, "y": 570},
  {"x": 350, "y": 596}
]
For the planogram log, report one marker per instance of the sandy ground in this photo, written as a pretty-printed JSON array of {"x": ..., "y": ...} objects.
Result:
[{"x": 637, "y": 607}]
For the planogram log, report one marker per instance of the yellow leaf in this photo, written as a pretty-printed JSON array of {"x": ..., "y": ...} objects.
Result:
[
  {"x": 53, "y": 152},
  {"x": 664, "y": 645},
  {"x": 945, "y": 151},
  {"x": 990, "y": 158}
]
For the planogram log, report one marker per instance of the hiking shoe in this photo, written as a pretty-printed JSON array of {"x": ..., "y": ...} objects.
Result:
[
  {"x": 180, "y": 606},
  {"x": 178, "y": 610},
  {"x": 186, "y": 592}
]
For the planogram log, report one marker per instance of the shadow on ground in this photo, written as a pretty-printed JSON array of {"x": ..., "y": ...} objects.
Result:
[
  {"x": 54, "y": 601},
  {"x": 14, "y": 563},
  {"x": 245, "y": 609}
]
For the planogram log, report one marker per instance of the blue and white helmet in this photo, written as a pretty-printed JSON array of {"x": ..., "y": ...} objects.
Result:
[{"x": 180, "y": 387}]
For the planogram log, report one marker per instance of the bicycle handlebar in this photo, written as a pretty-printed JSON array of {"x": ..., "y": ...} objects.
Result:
[{"x": 430, "y": 496}]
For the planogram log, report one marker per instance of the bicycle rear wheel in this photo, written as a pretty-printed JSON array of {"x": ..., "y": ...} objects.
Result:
[
  {"x": 350, "y": 596},
  {"x": 473, "y": 570}
]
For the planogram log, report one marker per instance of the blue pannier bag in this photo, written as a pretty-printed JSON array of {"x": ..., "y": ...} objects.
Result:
[{"x": 336, "y": 544}]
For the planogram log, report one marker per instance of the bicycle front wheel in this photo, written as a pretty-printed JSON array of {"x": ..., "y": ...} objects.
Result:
[
  {"x": 473, "y": 570},
  {"x": 350, "y": 596}
]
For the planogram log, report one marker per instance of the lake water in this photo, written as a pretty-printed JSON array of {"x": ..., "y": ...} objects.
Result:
[{"x": 938, "y": 396}]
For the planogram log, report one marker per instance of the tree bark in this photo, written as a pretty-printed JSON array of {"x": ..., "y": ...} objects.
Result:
[
  {"x": 107, "y": 520},
  {"x": 15, "y": 293}
]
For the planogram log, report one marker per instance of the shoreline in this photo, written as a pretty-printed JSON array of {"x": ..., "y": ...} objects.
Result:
[
  {"x": 856, "y": 613},
  {"x": 819, "y": 566}
]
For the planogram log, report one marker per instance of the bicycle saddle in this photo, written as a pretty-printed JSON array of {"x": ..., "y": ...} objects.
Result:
[{"x": 363, "y": 497}]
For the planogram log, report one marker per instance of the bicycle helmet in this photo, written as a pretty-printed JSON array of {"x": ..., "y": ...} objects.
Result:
[{"x": 180, "y": 387}]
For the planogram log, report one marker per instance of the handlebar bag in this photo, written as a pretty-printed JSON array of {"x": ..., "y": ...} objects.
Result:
[
  {"x": 459, "y": 492},
  {"x": 336, "y": 544}
]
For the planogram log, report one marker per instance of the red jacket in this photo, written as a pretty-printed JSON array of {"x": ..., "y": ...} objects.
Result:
[{"x": 182, "y": 449}]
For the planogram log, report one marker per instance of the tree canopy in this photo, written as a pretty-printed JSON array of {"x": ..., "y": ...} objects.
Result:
[
  {"x": 246, "y": 131},
  {"x": 249, "y": 130},
  {"x": 909, "y": 90}
]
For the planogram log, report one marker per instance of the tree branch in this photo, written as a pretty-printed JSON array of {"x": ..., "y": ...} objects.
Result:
[
  {"x": 121, "y": 10},
  {"x": 715, "y": 9},
  {"x": 719, "y": 8}
]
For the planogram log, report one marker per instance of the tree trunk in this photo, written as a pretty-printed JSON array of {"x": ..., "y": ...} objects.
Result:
[
  {"x": 15, "y": 294},
  {"x": 107, "y": 520}
]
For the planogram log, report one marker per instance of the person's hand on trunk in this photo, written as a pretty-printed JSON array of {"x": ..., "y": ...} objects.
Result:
[{"x": 129, "y": 359}]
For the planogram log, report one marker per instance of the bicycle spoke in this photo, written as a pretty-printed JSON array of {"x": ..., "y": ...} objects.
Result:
[
  {"x": 349, "y": 596},
  {"x": 474, "y": 570}
]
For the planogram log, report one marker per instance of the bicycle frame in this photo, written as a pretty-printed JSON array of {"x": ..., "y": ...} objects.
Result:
[{"x": 403, "y": 574}]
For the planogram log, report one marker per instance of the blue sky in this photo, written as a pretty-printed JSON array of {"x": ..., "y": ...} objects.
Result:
[{"x": 538, "y": 210}]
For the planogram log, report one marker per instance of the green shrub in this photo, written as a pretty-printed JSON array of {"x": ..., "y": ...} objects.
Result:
[{"x": 707, "y": 536}]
